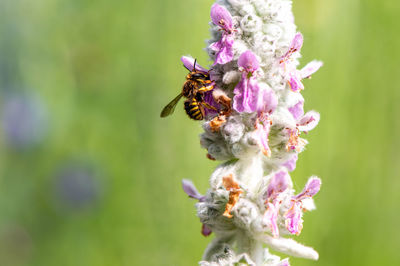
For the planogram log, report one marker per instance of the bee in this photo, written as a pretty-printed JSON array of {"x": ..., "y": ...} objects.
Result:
[{"x": 196, "y": 84}]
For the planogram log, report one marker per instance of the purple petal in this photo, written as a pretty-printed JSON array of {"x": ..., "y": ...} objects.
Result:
[
  {"x": 205, "y": 230},
  {"x": 297, "y": 110},
  {"x": 248, "y": 61},
  {"x": 308, "y": 121},
  {"x": 297, "y": 42},
  {"x": 188, "y": 62},
  {"x": 310, "y": 69},
  {"x": 270, "y": 218},
  {"x": 295, "y": 82},
  {"x": 262, "y": 131},
  {"x": 191, "y": 190},
  {"x": 310, "y": 189},
  {"x": 209, "y": 99},
  {"x": 279, "y": 183},
  {"x": 295, "y": 46},
  {"x": 267, "y": 101},
  {"x": 291, "y": 163},
  {"x": 284, "y": 262},
  {"x": 221, "y": 17},
  {"x": 246, "y": 95},
  {"x": 216, "y": 46},
  {"x": 294, "y": 221},
  {"x": 224, "y": 50}
]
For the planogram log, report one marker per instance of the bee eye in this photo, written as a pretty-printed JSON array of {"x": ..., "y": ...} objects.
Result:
[{"x": 198, "y": 76}]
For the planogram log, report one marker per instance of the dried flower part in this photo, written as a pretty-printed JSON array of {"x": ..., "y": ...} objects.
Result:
[
  {"x": 234, "y": 192},
  {"x": 210, "y": 157},
  {"x": 221, "y": 98},
  {"x": 217, "y": 122}
]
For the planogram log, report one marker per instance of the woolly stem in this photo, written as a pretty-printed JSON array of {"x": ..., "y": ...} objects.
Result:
[{"x": 250, "y": 246}]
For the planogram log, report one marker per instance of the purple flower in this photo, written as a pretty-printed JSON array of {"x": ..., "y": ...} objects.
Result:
[
  {"x": 209, "y": 99},
  {"x": 297, "y": 110},
  {"x": 295, "y": 81},
  {"x": 270, "y": 218},
  {"x": 294, "y": 221},
  {"x": 308, "y": 122},
  {"x": 205, "y": 230},
  {"x": 263, "y": 126},
  {"x": 304, "y": 122},
  {"x": 222, "y": 18},
  {"x": 293, "y": 217},
  {"x": 192, "y": 192},
  {"x": 310, "y": 189},
  {"x": 188, "y": 62},
  {"x": 295, "y": 46},
  {"x": 267, "y": 102},
  {"x": 247, "y": 90},
  {"x": 284, "y": 262},
  {"x": 310, "y": 69},
  {"x": 266, "y": 105},
  {"x": 291, "y": 163},
  {"x": 306, "y": 72},
  {"x": 279, "y": 183}
]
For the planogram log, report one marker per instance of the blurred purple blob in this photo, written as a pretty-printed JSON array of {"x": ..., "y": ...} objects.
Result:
[
  {"x": 77, "y": 186},
  {"x": 24, "y": 121}
]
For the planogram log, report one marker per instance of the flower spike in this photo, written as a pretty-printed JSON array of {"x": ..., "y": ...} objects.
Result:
[{"x": 254, "y": 123}]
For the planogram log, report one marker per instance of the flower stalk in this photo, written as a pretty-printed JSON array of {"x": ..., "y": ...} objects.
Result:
[{"x": 254, "y": 127}]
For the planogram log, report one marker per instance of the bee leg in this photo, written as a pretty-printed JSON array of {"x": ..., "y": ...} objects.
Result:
[
  {"x": 205, "y": 88},
  {"x": 206, "y": 105},
  {"x": 203, "y": 113}
]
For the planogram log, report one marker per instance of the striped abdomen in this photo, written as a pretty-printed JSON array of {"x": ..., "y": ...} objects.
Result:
[{"x": 194, "y": 109}]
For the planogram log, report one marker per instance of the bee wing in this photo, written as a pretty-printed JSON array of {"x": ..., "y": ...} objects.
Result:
[{"x": 169, "y": 109}]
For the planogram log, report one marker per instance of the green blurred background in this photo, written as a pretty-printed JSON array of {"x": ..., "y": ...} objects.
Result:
[{"x": 90, "y": 175}]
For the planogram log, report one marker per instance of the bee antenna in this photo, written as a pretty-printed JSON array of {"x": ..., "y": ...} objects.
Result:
[{"x": 194, "y": 66}]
